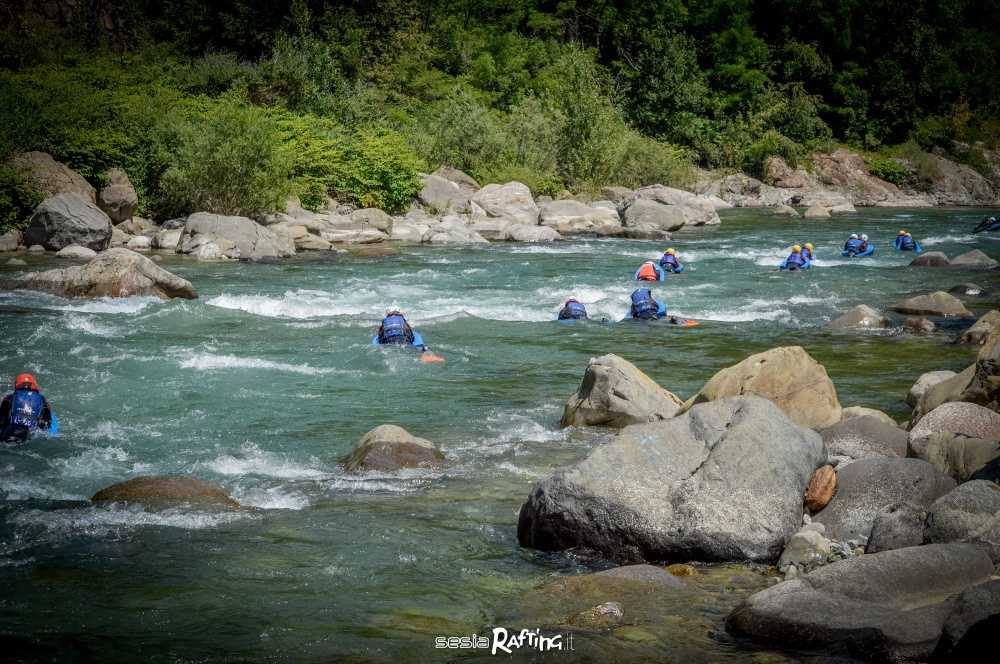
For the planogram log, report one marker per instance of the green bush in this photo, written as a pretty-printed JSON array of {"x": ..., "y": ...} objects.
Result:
[
  {"x": 228, "y": 158},
  {"x": 18, "y": 199},
  {"x": 379, "y": 169},
  {"x": 887, "y": 169},
  {"x": 771, "y": 144}
]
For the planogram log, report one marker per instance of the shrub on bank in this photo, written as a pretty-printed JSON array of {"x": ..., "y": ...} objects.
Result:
[{"x": 18, "y": 199}]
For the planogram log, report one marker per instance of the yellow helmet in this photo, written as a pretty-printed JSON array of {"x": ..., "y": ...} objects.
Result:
[
  {"x": 671, "y": 251},
  {"x": 901, "y": 233},
  {"x": 809, "y": 245},
  {"x": 796, "y": 247}
]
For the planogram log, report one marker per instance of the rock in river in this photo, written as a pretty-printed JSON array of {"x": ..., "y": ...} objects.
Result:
[
  {"x": 974, "y": 259},
  {"x": 167, "y": 491},
  {"x": 938, "y": 303},
  {"x": 869, "y": 486},
  {"x": 214, "y": 236},
  {"x": 389, "y": 447},
  {"x": 931, "y": 259},
  {"x": 788, "y": 376},
  {"x": 113, "y": 273},
  {"x": 68, "y": 219},
  {"x": 924, "y": 383},
  {"x": 988, "y": 324},
  {"x": 512, "y": 200},
  {"x": 860, "y": 317},
  {"x": 721, "y": 482},
  {"x": 885, "y": 606},
  {"x": 615, "y": 393}
]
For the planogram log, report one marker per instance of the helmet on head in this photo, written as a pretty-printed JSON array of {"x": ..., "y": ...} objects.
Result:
[
  {"x": 809, "y": 245},
  {"x": 25, "y": 381},
  {"x": 392, "y": 309},
  {"x": 854, "y": 236},
  {"x": 796, "y": 247},
  {"x": 901, "y": 233},
  {"x": 864, "y": 237},
  {"x": 570, "y": 299},
  {"x": 671, "y": 251}
]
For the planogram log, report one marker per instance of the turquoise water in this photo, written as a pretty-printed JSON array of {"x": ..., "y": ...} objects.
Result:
[{"x": 268, "y": 379}]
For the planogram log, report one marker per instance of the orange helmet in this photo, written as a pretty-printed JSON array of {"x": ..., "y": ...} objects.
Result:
[{"x": 25, "y": 380}]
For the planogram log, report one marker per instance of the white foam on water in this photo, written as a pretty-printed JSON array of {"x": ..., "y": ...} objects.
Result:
[
  {"x": 213, "y": 362},
  {"x": 26, "y": 488},
  {"x": 109, "y": 305},
  {"x": 967, "y": 238},
  {"x": 94, "y": 462},
  {"x": 251, "y": 460},
  {"x": 755, "y": 310},
  {"x": 271, "y": 498},
  {"x": 89, "y": 325},
  {"x": 509, "y": 467},
  {"x": 102, "y": 521}
]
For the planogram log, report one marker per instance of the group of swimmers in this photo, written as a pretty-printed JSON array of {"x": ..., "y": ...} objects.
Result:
[{"x": 857, "y": 246}]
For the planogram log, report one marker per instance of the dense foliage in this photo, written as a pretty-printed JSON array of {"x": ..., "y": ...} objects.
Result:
[{"x": 358, "y": 95}]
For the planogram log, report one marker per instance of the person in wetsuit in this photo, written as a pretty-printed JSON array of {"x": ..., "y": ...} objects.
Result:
[
  {"x": 573, "y": 309},
  {"x": 24, "y": 410}
]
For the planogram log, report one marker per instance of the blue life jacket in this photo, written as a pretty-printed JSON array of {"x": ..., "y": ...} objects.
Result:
[
  {"x": 807, "y": 254},
  {"x": 573, "y": 310},
  {"x": 669, "y": 261},
  {"x": 796, "y": 259},
  {"x": 26, "y": 408},
  {"x": 853, "y": 245},
  {"x": 395, "y": 330},
  {"x": 906, "y": 243},
  {"x": 643, "y": 304}
]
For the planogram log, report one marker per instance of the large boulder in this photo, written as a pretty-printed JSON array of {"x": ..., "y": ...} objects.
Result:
[
  {"x": 721, "y": 482},
  {"x": 574, "y": 218},
  {"x": 788, "y": 376},
  {"x": 988, "y": 323},
  {"x": 696, "y": 210},
  {"x": 817, "y": 212},
  {"x": 651, "y": 217},
  {"x": 931, "y": 259},
  {"x": 389, "y": 447},
  {"x": 67, "y": 219},
  {"x": 887, "y": 606},
  {"x": 210, "y": 235},
  {"x": 860, "y": 317},
  {"x": 972, "y": 625},
  {"x": 869, "y": 486},
  {"x": 938, "y": 303},
  {"x": 464, "y": 181},
  {"x": 944, "y": 391},
  {"x": 965, "y": 419},
  {"x": 118, "y": 198},
  {"x": 924, "y": 383},
  {"x": 970, "y": 513},
  {"x": 169, "y": 491},
  {"x": 864, "y": 437},
  {"x": 974, "y": 259},
  {"x": 512, "y": 200},
  {"x": 372, "y": 218},
  {"x": 615, "y": 393},
  {"x": 443, "y": 195},
  {"x": 957, "y": 456},
  {"x": 116, "y": 272},
  {"x": 526, "y": 233},
  {"x": 51, "y": 177}
]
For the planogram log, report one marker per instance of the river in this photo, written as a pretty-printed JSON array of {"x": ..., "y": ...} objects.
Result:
[{"x": 267, "y": 380}]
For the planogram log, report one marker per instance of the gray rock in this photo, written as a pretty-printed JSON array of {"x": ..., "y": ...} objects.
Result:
[
  {"x": 119, "y": 238},
  {"x": 36, "y": 249},
  {"x": 67, "y": 219},
  {"x": 931, "y": 259},
  {"x": 696, "y": 210},
  {"x": 979, "y": 333},
  {"x": 817, "y": 212},
  {"x": 721, "y": 482},
  {"x": 118, "y": 199},
  {"x": 601, "y": 616},
  {"x": 861, "y": 411},
  {"x": 915, "y": 325},
  {"x": 869, "y": 486},
  {"x": 616, "y": 194},
  {"x": 575, "y": 218},
  {"x": 210, "y": 236},
  {"x": 75, "y": 252},
  {"x": 966, "y": 419},
  {"x": 443, "y": 195},
  {"x": 957, "y": 456},
  {"x": 968, "y": 290},
  {"x": 10, "y": 241},
  {"x": 971, "y": 628},
  {"x": 896, "y": 527},
  {"x": 947, "y": 390},
  {"x": 924, "y": 383},
  {"x": 645, "y": 231},
  {"x": 16, "y": 261},
  {"x": 50, "y": 176},
  {"x": 860, "y": 317},
  {"x": 464, "y": 181},
  {"x": 113, "y": 273},
  {"x": 934, "y": 304},
  {"x": 806, "y": 549},
  {"x": 974, "y": 259},
  {"x": 140, "y": 243},
  {"x": 890, "y": 605},
  {"x": 372, "y": 218},
  {"x": 970, "y": 513},
  {"x": 646, "y": 574},
  {"x": 389, "y": 447},
  {"x": 785, "y": 211},
  {"x": 526, "y": 233},
  {"x": 865, "y": 437},
  {"x": 615, "y": 393},
  {"x": 651, "y": 215},
  {"x": 512, "y": 200}
]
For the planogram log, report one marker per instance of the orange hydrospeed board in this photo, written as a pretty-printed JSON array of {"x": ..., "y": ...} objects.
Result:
[{"x": 431, "y": 357}]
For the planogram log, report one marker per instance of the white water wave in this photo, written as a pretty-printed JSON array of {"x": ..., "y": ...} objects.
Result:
[
  {"x": 251, "y": 460},
  {"x": 213, "y": 362},
  {"x": 967, "y": 238},
  {"x": 100, "y": 521}
]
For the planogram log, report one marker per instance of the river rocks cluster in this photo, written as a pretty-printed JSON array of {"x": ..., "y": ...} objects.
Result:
[{"x": 885, "y": 537}]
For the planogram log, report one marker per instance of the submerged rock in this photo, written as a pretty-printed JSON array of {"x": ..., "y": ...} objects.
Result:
[
  {"x": 389, "y": 447},
  {"x": 869, "y": 486},
  {"x": 970, "y": 513},
  {"x": 938, "y": 303},
  {"x": 615, "y": 393},
  {"x": 882, "y": 606},
  {"x": 113, "y": 273},
  {"x": 68, "y": 219},
  {"x": 974, "y": 259},
  {"x": 817, "y": 212},
  {"x": 721, "y": 482},
  {"x": 168, "y": 491},
  {"x": 601, "y": 616},
  {"x": 916, "y": 325},
  {"x": 931, "y": 259},
  {"x": 860, "y": 317},
  {"x": 788, "y": 376},
  {"x": 968, "y": 290}
]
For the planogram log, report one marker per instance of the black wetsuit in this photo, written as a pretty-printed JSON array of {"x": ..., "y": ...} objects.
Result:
[{"x": 11, "y": 432}]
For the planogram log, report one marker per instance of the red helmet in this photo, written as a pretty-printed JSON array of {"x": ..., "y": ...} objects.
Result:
[{"x": 25, "y": 380}]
